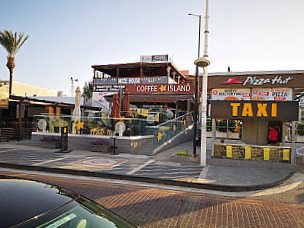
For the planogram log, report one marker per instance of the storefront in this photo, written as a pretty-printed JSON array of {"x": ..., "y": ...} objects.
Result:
[
  {"x": 152, "y": 86},
  {"x": 262, "y": 101}
]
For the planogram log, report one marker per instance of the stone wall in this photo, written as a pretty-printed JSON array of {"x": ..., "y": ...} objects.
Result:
[
  {"x": 255, "y": 153},
  {"x": 133, "y": 145}
]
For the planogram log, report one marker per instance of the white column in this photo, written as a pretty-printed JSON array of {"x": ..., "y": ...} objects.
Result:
[{"x": 204, "y": 118}]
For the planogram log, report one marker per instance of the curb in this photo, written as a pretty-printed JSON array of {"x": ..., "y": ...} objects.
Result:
[{"x": 223, "y": 188}]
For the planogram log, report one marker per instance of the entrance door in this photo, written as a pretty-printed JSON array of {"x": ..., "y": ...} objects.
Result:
[{"x": 278, "y": 126}]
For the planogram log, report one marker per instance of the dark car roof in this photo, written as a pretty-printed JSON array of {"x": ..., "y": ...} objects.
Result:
[{"x": 21, "y": 200}]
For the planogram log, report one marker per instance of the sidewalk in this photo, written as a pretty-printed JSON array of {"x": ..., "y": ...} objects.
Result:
[{"x": 152, "y": 169}]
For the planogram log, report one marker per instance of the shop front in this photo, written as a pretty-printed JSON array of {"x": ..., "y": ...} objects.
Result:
[{"x": 263, "y": 103}]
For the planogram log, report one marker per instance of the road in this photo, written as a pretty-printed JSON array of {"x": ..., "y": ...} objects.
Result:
[{"x": 146, "y": 206}]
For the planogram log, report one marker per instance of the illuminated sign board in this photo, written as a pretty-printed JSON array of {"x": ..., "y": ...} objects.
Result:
[
  {"x": 153, "y": 80},
  {"x": 230, "y": 94},
  {"x": 143, "y": 80},
  {"x": 274, "y": 94},
  {"x": 239, "y": 81},
  {"x": 261, "y": 81},
  {"x": 263, "y": 110},
  {"x": 108, "y": 88},
  {"x": 154, "y": 58},
  {"x": 161, "y": 89}
]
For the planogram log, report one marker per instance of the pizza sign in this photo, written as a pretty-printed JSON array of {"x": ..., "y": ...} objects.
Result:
[{"x": 276, "y": 94}]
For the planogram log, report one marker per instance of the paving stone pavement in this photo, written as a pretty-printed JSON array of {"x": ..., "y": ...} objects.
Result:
[
  {"x": 158, "y": 166},
  {"x": 155, "y": 207}
]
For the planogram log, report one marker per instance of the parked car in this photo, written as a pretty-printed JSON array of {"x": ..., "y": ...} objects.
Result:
[{"x": 25, "y": 203}]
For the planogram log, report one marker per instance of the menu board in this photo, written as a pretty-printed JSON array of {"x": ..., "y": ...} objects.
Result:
[
  {"x": 230, "y": 94},
  {"x": 276, "y": 94},
  {"x": 4, "y": 95}
]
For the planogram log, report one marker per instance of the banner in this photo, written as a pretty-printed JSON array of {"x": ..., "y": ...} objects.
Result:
[
  {"x": 230, "y": 94},
  {"x": 4, "y": 94},
  {"x": 263, "y": 110},
  {"x": 161, "y": 89},
  {"x": 275, "y": 94}
]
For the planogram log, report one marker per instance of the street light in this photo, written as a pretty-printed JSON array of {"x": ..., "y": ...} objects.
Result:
[
  {"x": 72, "y": 86},
  {"x": 196, "y": 85},
  {"x": 204, "y": 62}
]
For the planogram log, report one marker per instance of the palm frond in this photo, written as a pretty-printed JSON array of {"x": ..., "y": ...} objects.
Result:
[{"x": 11, "y": 42}]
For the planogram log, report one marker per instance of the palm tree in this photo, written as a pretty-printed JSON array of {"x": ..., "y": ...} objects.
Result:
[
  {"x": 87, "y": 90},
  {"x": 12, "y": 43}
]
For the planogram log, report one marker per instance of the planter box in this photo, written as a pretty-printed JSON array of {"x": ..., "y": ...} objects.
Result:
[
  {"x": 100, "y": 148},
  {"x": 50, "y": 145}
]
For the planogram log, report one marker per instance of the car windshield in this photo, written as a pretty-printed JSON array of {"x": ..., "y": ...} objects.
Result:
[
  {"x": 80, "y": 214},
  {"x": 78, "y": 217}
]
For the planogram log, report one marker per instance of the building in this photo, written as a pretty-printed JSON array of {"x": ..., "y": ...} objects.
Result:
[
  {"x": 154, "y": 86},
  {"x": 26, "y": 90}
]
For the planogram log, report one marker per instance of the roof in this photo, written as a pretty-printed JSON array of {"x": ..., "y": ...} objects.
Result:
[
  {"x": 132, "y": 69},
  {"x": 62, "y": 100},
  {"x": 255, "y": 73}
]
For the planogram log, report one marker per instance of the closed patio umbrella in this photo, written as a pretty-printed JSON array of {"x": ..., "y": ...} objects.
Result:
[
  {"x": 115, "y": 108},
  {"x": 126, "y": 103},
  {"x": 77, "y": 112}
]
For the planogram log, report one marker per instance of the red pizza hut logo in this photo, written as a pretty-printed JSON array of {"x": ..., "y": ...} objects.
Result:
[{"x": 232, "y": 81}]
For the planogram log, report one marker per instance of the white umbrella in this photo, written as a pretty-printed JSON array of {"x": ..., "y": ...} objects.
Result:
[{"x": 77, "y": 112}]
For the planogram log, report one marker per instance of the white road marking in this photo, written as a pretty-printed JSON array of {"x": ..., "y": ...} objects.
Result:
[
  {"x": 140, "y": 167},
  {"x": 48, "y": 161},
  {"x": 204, "y": 173},
  {"x": 3, "y": 151}
]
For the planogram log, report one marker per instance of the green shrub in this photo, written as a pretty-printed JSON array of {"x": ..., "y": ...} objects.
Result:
[
  {"x": 300, "y": 129},
  {"x": 182, "y": 154}
]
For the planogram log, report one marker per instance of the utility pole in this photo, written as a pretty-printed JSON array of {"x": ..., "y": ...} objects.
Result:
[
  {"x": 196, "y": 86},
  {"x": 204, "y": 62}
]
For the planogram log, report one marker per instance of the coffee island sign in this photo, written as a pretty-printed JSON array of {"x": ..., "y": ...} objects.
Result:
[
  {"x": 161, "y": 89},
  {"x": 147, "y": 88}
]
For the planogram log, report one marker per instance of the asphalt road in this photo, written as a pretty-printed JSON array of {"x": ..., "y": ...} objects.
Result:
[{"x": 157, "y": 207}]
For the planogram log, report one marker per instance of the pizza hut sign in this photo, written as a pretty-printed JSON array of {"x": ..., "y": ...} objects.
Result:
[
  {"x": 262, "y": 81},
  {"x": 258, "y": 81}
]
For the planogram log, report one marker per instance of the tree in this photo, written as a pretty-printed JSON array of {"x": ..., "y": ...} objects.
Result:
[
  {"x": 12, "y": 43},
  {"x": 87, "y": 90}
]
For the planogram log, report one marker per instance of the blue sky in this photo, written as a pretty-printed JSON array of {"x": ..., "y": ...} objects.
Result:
[{"x": 67, "y": 37}]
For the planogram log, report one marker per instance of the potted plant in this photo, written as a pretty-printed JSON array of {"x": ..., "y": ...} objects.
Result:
[
  {"x": 51, "y": 142},
  {"x": 100, "y": 145}
]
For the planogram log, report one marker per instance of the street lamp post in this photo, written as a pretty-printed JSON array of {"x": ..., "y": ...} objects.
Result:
[
  {"x": 204, "y": 62},
  {"x": 72, "y": 85},
  {"x": 196, "y": 86}
]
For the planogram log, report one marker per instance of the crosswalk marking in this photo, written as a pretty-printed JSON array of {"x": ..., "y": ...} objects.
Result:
[{"x": 140, "y": 167}]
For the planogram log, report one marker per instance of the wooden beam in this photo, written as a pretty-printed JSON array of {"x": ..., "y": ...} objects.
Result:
[{"x": 20, "y": 136}]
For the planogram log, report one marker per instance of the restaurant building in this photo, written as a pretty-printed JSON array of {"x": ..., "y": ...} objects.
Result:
[
  {"x": 153, "y": 86},
  {"x": 257, "y": 100},
  {"x": 260, "y": 100}
]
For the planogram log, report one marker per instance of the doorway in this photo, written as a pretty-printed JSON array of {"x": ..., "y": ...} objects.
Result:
[{"x": 278, "y": 126}]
